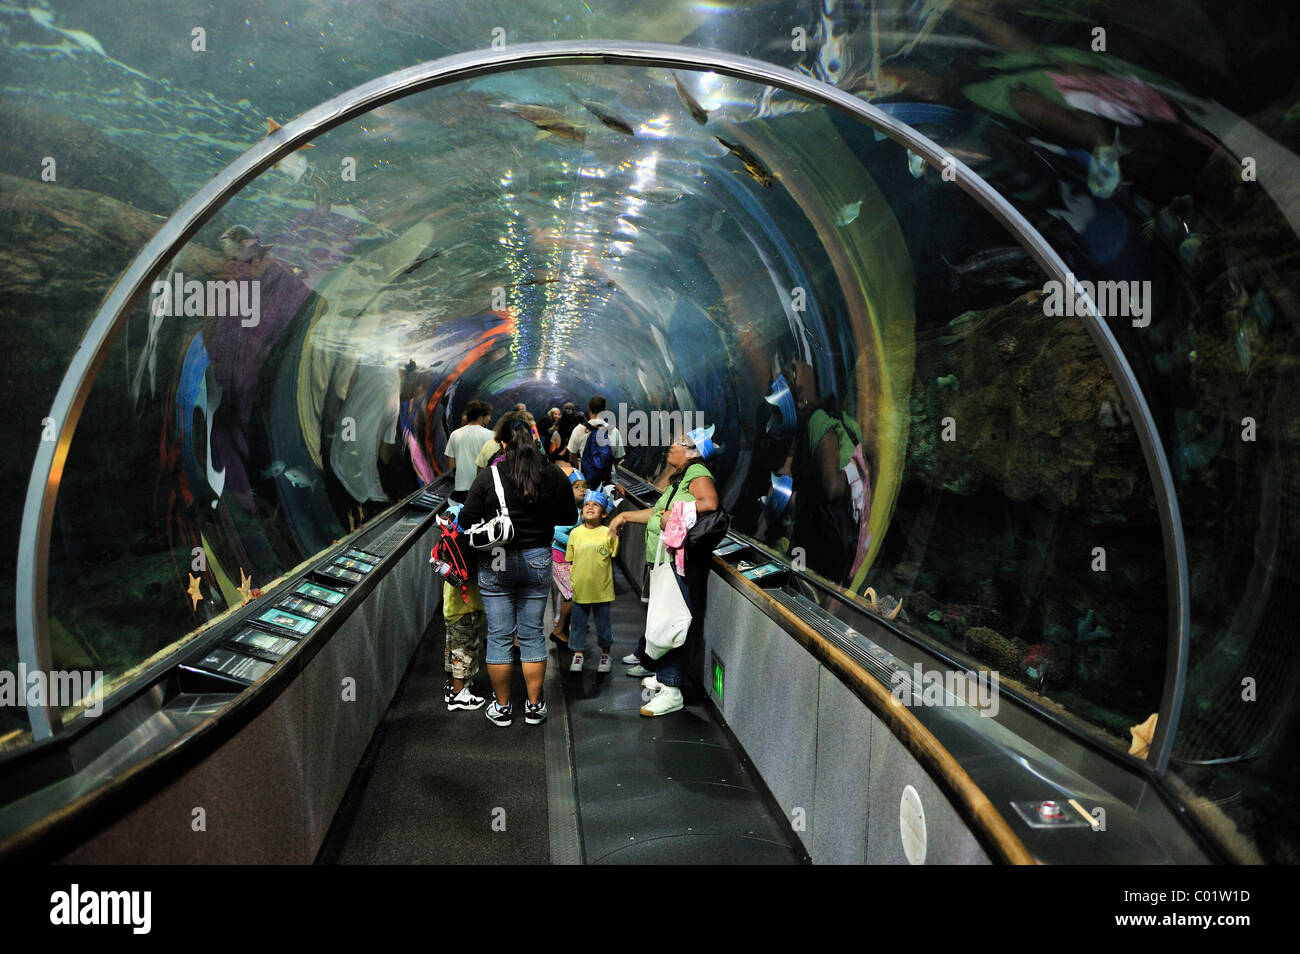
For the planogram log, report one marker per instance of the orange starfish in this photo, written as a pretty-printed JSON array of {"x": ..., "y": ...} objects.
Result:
[
  {"x": 1142, "y": 735},
  {"x": 193, "y": 592}
]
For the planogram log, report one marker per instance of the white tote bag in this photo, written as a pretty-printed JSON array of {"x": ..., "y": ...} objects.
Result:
[{"x": 668, "y": 617}]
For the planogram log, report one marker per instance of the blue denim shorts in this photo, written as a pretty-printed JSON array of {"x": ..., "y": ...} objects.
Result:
[{"x": 514, "y": 599}]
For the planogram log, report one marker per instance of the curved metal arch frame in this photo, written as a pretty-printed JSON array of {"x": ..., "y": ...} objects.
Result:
[{"x": 38, "y": 512}]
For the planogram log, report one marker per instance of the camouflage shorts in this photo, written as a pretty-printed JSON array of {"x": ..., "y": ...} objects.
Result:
[{"x": 465, "y": 638}]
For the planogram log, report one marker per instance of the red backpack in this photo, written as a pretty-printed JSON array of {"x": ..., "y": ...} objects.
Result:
[{"x": 451, "y": 556}]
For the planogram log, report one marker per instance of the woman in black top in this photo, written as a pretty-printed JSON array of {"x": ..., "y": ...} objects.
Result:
[{"x": 515, "y": 579}]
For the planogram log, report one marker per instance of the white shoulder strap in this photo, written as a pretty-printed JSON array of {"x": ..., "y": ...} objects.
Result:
[{"x": 501, "y": 495}]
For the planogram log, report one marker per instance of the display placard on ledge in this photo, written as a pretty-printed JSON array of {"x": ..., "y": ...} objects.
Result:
[
  {"x": 284, "y": 620},
  {"x": 321, "y": 593}
]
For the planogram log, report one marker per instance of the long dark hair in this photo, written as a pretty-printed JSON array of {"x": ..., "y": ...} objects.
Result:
[{"x": 525, "y": 463}]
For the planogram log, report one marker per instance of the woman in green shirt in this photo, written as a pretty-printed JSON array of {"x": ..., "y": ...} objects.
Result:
[{"x": 690, "y": 481}]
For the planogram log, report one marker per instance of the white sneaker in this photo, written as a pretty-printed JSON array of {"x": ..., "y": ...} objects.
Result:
[
  {"x": 604, "y": 663},
  {"x": 575, "y": 664},
  {"x": 465, "y": 700},
  {"x": 639, "y": 672},
  {"x": 666, "y": 700},
  {"x": 630, "y": 659},
  {"x": 650, "y": 687}
]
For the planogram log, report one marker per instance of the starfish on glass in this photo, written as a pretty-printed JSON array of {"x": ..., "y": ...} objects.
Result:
[
  {"x": 193, "y": 592},
  {"x": 1142, "y": 735}
]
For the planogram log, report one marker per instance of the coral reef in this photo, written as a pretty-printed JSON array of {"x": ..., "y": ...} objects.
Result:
[{"x": 1001, "y": 653}]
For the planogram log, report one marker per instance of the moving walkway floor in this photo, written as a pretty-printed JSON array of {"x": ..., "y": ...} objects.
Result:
[{"x": 439, "y": 787}]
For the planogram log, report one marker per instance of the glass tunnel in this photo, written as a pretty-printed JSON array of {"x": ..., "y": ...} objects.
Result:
[{"x": 1038, "y": 289}]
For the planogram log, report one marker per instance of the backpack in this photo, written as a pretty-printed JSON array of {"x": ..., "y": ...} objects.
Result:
[
  {"x": 597, "y": 456},
  {"x": 451, "y": 558}
]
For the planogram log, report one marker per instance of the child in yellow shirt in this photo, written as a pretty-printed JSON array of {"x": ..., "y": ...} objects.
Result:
[{"x": 591, "y": 552}]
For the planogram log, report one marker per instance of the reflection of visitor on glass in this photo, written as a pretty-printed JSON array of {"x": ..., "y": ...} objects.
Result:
[{"x": 831, "y": 480}]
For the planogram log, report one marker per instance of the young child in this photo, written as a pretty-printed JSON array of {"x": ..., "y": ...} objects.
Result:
[
  {"x": 466, "y": 625},
  {"x": 466, "y": 635},
  {"x": 591, "y": 552},
  {"x": 560, "y": 566}
]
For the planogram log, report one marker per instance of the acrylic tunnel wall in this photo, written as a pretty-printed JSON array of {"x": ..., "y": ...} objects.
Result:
[{"x": 725, "y": 250}]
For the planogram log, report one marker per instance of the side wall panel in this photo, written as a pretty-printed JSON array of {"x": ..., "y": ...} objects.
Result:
[{"x": 270, "y": 793}]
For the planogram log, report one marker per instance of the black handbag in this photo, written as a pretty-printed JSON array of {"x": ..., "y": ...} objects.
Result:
[
  {"x": 493, "y": 532},
  {"x": 709, "y": 528}
]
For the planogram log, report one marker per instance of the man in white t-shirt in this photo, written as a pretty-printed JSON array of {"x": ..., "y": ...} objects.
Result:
[
  {"x": 464, "y": 443},
  {"x": 582, "y": 433},
  {"x": 358, "y": 450}
]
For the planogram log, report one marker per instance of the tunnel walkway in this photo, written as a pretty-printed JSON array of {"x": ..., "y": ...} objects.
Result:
[{"x": 671, "y": 790}]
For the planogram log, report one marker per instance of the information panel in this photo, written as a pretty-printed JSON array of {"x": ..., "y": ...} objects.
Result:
[
  {"x": 338, "y": 573},
  {"x": 266, "y": 643},
  {"x": 284, "y": 620},
  {"x": 759, "y": 572},
  {"x": 360, "y": 566},
  {"x": 235, "y": 665},
  {"x": 296, "y": 604},
  {"x": 317, "y": 592}
]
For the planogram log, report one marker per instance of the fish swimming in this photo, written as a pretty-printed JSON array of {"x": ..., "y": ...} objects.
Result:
[
  {"x": 663, "y": 193},
  {"x": 915, "y": 164},
  {"x": 292, "y": 165},
  {"x": 420, "y": 261},
  {"x": 849, "y": 213},
  {"x": 320, "y": 190},
  {"x": 298, "y": 477},
  {"x": 1079, "y": 209},
  {"x": 1103, "y": 169},
  {"x": 1189, "y": 249},
  {"x": 613, "y": 121},
  {"x": 546, "y": 119},
  {"x": 1009, "y": 267},
  {"x": 753, "y": 167},
  {"x": 698, "y": 112}
]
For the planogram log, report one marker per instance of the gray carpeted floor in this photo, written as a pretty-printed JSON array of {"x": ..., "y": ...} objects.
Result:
[
  {"x": 435, "y": 786},
  {"x": 438, "y": 787},
  {"x": 665, "y": 790}
]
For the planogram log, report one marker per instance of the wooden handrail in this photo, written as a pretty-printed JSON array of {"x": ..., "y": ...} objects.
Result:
[{"x": 970, "y": 802}]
